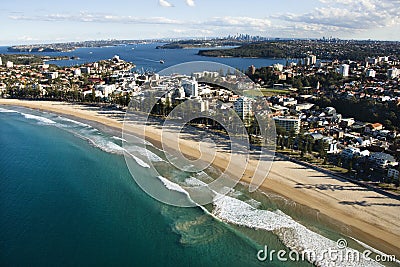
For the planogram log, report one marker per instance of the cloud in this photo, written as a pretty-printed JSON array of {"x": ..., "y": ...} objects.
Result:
[
  {"x": 349, "y": 14},
  {"x": 242, "y": 22},
  {"x": 190, "y": 3},
  {"x": 101, "y": 18},
  {"x": 234, "y": 22},
  {"x": 165, "y": 3}
]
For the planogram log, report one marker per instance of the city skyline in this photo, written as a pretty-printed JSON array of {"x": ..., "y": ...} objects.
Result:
[{"x": 26, "y": 22}]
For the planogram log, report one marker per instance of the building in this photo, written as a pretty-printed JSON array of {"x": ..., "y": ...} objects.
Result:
[
  {"x": 252, "y": 69},
  {"x": 350, "y": 152},
  {"x": 191, "y": 88},
  {"x": 344, "y": 70},
  {"x": 371, "y": 60},
  {"x": 9, "y": 64},
  {"x": 105, "y": 90},
  {"x": 278, "y": 66},
  {"x": 288, "y": 123},
  {"x": 51, "y": 75},
  {"x": 77, "y": 72},
  {"x": 393, "y": 73},
  {"x": 243, "y": 107},
  {"x": 332, "y": 148},
  {"x": 370, "y": 73},
  {"x": 85, "y": 70},
  {"x": 382, "y": 160},
  {"x": 309, "y": 60},
  {"x": 393, "y": 173},
  {"x": 304, "y": 106},
  {"x": 1, "y": 61},
  {"x": 289, "y": 102},
  {"x": 372, "y": 127}
]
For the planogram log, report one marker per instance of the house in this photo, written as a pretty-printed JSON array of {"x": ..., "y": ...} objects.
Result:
[{"x": 372, "y": 127}]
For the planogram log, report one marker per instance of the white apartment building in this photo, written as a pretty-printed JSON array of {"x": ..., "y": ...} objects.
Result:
[
  {"x": 191, "y": 88},
  {"x": 243, "y": 107},
  {"x": 288, "y": 123},
  {"x": 344, "y": 70}
]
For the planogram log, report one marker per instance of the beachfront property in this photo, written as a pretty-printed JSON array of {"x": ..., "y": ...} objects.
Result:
[
  {"x": 393, "y": 173},
  {"x": 288, "y": 123},
  {"x": 191, "y": 87},
  {"x": 243, "y": 107},
  {"x": 382, "y": 160}
]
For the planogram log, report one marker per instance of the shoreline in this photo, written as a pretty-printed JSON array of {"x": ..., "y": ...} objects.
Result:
[{"x": 371, "y": 217}]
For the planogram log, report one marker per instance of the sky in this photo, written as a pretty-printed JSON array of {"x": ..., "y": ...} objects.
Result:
[{"x": 46, "y": 21}]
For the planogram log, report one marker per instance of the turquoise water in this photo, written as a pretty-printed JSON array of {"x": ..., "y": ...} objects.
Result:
[
  {"x": 65, "y": 202},
  {"x": 67, "y": 199}
]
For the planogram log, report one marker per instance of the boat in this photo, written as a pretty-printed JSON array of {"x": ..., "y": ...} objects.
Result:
[{"x": 162, "y": 61}]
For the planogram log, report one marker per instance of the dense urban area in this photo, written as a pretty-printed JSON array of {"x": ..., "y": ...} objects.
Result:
[{"x": 336, "y": 109}]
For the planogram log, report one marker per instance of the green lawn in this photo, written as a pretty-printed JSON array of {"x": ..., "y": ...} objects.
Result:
[{"x": 266, "y": 92}]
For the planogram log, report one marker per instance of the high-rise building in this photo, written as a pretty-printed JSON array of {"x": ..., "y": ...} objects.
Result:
[
  {"x": 1, "y": 62},
  {"x": 344, "y": 70},
  {"x": 243, "y": 107},
  {"x": 309, "y": 60},
  {"x": 288, "y": 123},
  {"x": 191, "y": 87},
  {"x": 252, "y": 69}
]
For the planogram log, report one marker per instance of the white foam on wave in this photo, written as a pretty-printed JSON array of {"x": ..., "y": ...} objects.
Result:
[
  {"x": 144, "y": 152},
  {"x": 74, "y": 122},
  {"x": 111, "y": 147},
  {"x": 37, "y": 118},
  {"x": 119, "y": 138},
  {"x": 138, "y": 160},
  {"x": 173, "y": 186},
  {"x": 293, "y": 235},
  {"x": 191, "y": 181},
  {"x": 254, "y": 203},
  {"x": 133, "y": 139},
  {"x": 3, "y": 110}
]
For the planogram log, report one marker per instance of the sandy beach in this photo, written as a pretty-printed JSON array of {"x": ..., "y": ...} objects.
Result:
[{"x": 369, "y": 216}]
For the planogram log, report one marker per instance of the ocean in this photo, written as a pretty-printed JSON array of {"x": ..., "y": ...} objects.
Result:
[
  {"x": 147, "y": 58},
  {"x": 67, "y": 199}
]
